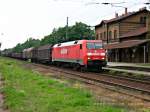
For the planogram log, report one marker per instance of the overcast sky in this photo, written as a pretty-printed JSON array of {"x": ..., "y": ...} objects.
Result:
[{"x": 21, "y": 19}]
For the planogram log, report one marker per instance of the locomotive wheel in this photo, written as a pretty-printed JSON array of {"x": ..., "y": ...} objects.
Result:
[
  {"x": 58, "y": 64},
  {"x": 83, "y": 69},
  {"x": 99, "y": 68},
  {"x": 76, "y": 67}
]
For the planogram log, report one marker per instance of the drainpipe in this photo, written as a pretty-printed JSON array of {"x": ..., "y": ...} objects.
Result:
[
  {"x": 107, "y": 41},
  {"x": 148, "y": 36},
  {"x": 148, "y": 26},
  {"x": 107, "y": 33},
  {"x": 144, "y": 53}
]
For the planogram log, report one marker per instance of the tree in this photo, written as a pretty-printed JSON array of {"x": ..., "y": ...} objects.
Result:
[
  {"x": 27, "y": 44},
  {"x": 78, "y": 31}
]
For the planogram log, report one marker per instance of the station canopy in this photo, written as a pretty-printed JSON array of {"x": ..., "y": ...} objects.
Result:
[{"x": 125, "y": 44}]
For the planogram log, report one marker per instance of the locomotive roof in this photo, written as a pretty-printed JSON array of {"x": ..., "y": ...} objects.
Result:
[
  {"x": 74, "y": 42},
  {"x": 45, "y": 47}
]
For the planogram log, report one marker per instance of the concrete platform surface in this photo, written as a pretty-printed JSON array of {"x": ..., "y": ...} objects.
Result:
[
  {"x": 113, "y": 64},
  {"x": 128, "y": 71}
]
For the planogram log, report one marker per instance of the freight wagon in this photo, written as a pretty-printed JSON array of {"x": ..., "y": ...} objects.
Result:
[
  {"x": 43, "y": 54},
  {"x": 27, "y": 53},
  {"x": 16, "y": 55}
]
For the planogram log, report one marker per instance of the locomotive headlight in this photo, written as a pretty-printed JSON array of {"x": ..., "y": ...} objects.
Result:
[
  {"x": 89, "y": 54},
  {"x": 89, "y": 58},
  {"x": 102, "y": 54}
]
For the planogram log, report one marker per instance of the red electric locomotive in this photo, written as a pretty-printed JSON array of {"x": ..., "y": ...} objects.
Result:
[{"x": 80, "y": 53}]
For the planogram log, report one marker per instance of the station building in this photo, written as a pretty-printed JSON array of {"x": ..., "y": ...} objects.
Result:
[{"x": 126, "y": 37}]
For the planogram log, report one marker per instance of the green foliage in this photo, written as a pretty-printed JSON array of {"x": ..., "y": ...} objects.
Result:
[
  {"x": 78, "y": 31},
  {"x": 27, "y": 91},
  {"x": 27, "y": 44}
]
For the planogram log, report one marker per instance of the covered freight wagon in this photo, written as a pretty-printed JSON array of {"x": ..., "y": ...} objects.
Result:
[
  {"x": 27, "y": 53},
  {"x": 16, "y": 55},
  {"x": 34, "y": 54},
  {"x": 44, "y": 53}
]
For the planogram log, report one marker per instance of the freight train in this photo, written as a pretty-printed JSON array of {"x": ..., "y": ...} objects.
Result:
[{"x": 79, "y": 54}]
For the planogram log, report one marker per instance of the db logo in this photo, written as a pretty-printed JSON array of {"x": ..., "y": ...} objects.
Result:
[{"x": 64, "y": 51}]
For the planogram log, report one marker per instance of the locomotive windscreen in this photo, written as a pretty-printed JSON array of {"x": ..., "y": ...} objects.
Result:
[{"x": 94, "y": 45}]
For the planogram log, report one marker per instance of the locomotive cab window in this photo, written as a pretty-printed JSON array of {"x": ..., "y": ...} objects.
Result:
[
  {"x": 94, "y": 45},
  {"x": 80, "y": 46}
]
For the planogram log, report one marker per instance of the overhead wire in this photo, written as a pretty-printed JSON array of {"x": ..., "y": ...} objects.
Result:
[
  {"x": 133, "y": 5},
  {"x": 112, "y": 4}
]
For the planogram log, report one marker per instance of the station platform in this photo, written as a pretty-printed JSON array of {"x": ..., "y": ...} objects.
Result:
[
  {"x": 142, "y": 65},
  {"x": 125, "y": 67}
]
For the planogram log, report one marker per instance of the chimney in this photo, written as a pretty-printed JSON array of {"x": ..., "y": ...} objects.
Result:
[
  {"x": 116, "y": 15},
  {"x": 126, "y": 11},
  {"x": 143, "y": 8}
]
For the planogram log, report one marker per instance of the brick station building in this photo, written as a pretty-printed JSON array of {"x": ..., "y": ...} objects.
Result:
[{"x": 126, "y": 37}]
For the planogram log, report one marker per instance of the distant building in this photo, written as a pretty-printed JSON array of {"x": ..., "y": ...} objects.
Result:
[{"x": 126, "y": 37}]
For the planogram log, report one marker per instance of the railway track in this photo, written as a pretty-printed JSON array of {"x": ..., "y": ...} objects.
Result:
[
  {"x": 133, "y": 87},
  {"x": 130, "y": 78}
]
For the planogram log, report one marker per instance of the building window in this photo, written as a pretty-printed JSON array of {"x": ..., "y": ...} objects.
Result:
[
  {"x": 101, "y": 36},
  {"x": 97, "y": 36},
  {"x": 110, "y": 34},
  {"x": 143, "y": 20},
  {"x": 104, "y": 35},
  {"x": 115, "y": 34}
]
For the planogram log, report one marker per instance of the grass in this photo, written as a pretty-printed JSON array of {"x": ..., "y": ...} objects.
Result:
[{"x": 27, "y": 91}]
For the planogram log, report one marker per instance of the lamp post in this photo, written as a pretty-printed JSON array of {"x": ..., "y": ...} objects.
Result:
[{"x": 67, "y": 29}]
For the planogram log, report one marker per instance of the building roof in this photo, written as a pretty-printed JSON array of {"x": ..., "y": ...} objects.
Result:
[
  {"x": 125, "y": 44},
  {"x": 124, "y": 16},
  {"x": 137, "y": 32}
]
